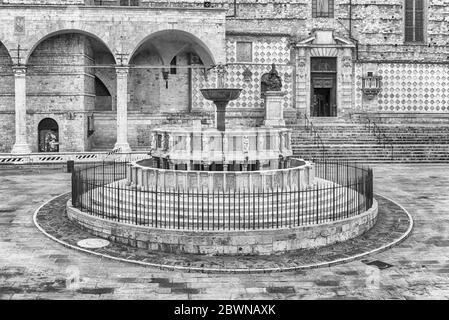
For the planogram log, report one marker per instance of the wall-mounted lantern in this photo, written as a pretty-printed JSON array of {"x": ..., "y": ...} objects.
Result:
[{"x": 371, "y": 85}]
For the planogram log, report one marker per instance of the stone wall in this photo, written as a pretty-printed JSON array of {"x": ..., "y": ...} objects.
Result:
[
  {"x": 407, "y": 87},
  {"x": 148, "y": 91},
  {"x": 377, "y": 25},
  {"x": 40, "y": 2},
  {"x": 7, "y": 130},
  {"x": 140, "y": 126},
  {"x": 273, "y": 27},
  {"x": 378, "y": 37}
]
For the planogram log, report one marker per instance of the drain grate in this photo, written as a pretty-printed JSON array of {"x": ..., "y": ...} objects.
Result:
[
  {"x": 93, "y": 243},
  {"x": 377, "y": 263}
]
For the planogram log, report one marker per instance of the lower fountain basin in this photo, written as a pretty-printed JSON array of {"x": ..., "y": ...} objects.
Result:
[{"x": 300, "y": 175}]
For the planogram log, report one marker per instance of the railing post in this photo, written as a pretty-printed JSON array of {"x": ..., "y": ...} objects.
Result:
[{"x": 74, "y": 187}]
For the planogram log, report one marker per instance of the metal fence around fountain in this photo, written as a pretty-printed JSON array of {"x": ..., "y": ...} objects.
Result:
[{"x": 346, "y": 191}]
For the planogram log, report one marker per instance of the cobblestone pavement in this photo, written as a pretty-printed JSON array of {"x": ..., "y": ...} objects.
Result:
[
  {"x": 33, "y": 266},
  {"x": 392, "y": 226}
]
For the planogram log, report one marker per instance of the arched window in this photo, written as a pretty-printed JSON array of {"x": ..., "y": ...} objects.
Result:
[{"x": 48, "y": 133}]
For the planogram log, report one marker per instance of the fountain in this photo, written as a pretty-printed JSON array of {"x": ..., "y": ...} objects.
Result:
[
  {"x": 226, "y": 191},
  {"x": 221, "y": 97}
]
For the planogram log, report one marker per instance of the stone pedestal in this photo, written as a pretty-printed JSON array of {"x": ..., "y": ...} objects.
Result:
[{"x": 274, "y": 110}]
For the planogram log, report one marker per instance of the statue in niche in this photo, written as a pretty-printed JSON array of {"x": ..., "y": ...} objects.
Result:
[
  {"x": 206, "y": 143},
  {"x": 188, "y": 145},
  {"x": 271, "y": 81},
  {"x": 153, "y": 143},
  {"x": 225, "y": 142},
  {"x": 245, "y": 143},
  {"x": 51, "y": 142},
  {"x": 261, "y": 143},
  {"x": 170, "y": 142}
]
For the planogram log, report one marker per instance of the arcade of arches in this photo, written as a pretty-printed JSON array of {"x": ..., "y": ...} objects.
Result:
[{"x": 75, "y": 79}]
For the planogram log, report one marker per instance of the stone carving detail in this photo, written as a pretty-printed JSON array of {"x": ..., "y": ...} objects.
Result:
[
  {"x": 170, "y": 142},
  {"x": 230, "y": 181},
  {"x": 153, "y": 141},
  {"x": 221, "y": 73},
  {"x": 271, "y": 81},
  {"x": 245, "y": 144},
  {"x": 188, "y": 144},
  {"x": 205, "y": 143},
  {"x": 247, "y": 74},
  {"x": 218, "y": 182},
  {"x": 261, "y": 142},
  {"x": 302, "y": 62},
  {"x": 281, "y": 142},
  {"x": 225, "y": 142},
  {"x": 346, "y": 61},
  {"x": 19, "y": 25}
]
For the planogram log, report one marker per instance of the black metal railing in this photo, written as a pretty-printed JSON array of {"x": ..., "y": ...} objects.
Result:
[
  {"x": 316, "y": 140},
  {"x": 344, "y": 190},
  {"x": 381, "y": 137}
]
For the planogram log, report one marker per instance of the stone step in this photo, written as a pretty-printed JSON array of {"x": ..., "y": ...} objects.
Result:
[
  {"x": 192, "y": 202},
  {"x": 127, "y": 205},
  {"x": 223, "y": 222}
]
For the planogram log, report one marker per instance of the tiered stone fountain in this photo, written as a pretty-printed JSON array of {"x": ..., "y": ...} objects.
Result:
[
  {"x": 226, "y": 190},
  {"x": 221, "y": 158}
]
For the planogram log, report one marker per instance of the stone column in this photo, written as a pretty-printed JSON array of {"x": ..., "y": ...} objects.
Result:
[
  {"x": 20, "y": 146},
  {"x": 122, "y": 109}
]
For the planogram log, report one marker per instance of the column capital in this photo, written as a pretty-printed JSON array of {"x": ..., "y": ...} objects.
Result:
[
  {"x": 19, "y": 70},
  {"x": 122, "y": 70}
]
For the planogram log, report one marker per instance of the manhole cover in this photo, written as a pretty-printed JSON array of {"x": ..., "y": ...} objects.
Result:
[
  {"x": 377, "y": 263},
  {"x": 93, "y": 243}
]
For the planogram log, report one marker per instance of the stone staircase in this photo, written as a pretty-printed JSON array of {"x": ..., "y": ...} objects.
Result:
[
  {"x": 172, "y": 210},
  {"x": 345, "y": 139}
]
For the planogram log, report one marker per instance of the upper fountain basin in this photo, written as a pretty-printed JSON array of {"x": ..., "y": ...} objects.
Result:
[{"x": 221, "y": 94}]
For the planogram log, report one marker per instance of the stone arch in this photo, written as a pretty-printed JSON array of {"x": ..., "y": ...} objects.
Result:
[
  {"x": 48, "y": 135},
  {"x": 7, "y": 57},
  {"x": 69, "y": 31},
  {"x": 7, "y": 99},
  {"x": 104, "y": 95},
  {"x": 160, "y": 40}
]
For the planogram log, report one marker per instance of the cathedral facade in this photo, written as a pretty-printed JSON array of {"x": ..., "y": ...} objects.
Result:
[{"x": 86, "y": 75}]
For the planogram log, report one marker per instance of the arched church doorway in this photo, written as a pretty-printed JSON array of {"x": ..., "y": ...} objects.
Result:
[{"x": 48, "y": 132}]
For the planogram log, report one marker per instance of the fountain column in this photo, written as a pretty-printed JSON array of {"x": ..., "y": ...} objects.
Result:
[
  {"x": 20, "y": 146},
  {"x": 122, "y": 109},
  {"x": 221, "y": 115}
]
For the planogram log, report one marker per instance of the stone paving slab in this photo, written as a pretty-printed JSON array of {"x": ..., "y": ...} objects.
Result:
[
  {"x": 26, "y": 268},
  {"x": 393, "y": 225}
]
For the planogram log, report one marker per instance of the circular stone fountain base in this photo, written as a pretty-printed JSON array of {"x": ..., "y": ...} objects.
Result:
[
  {"x": 245, "y": 242},
  {"x": 393, "y": 225}
]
